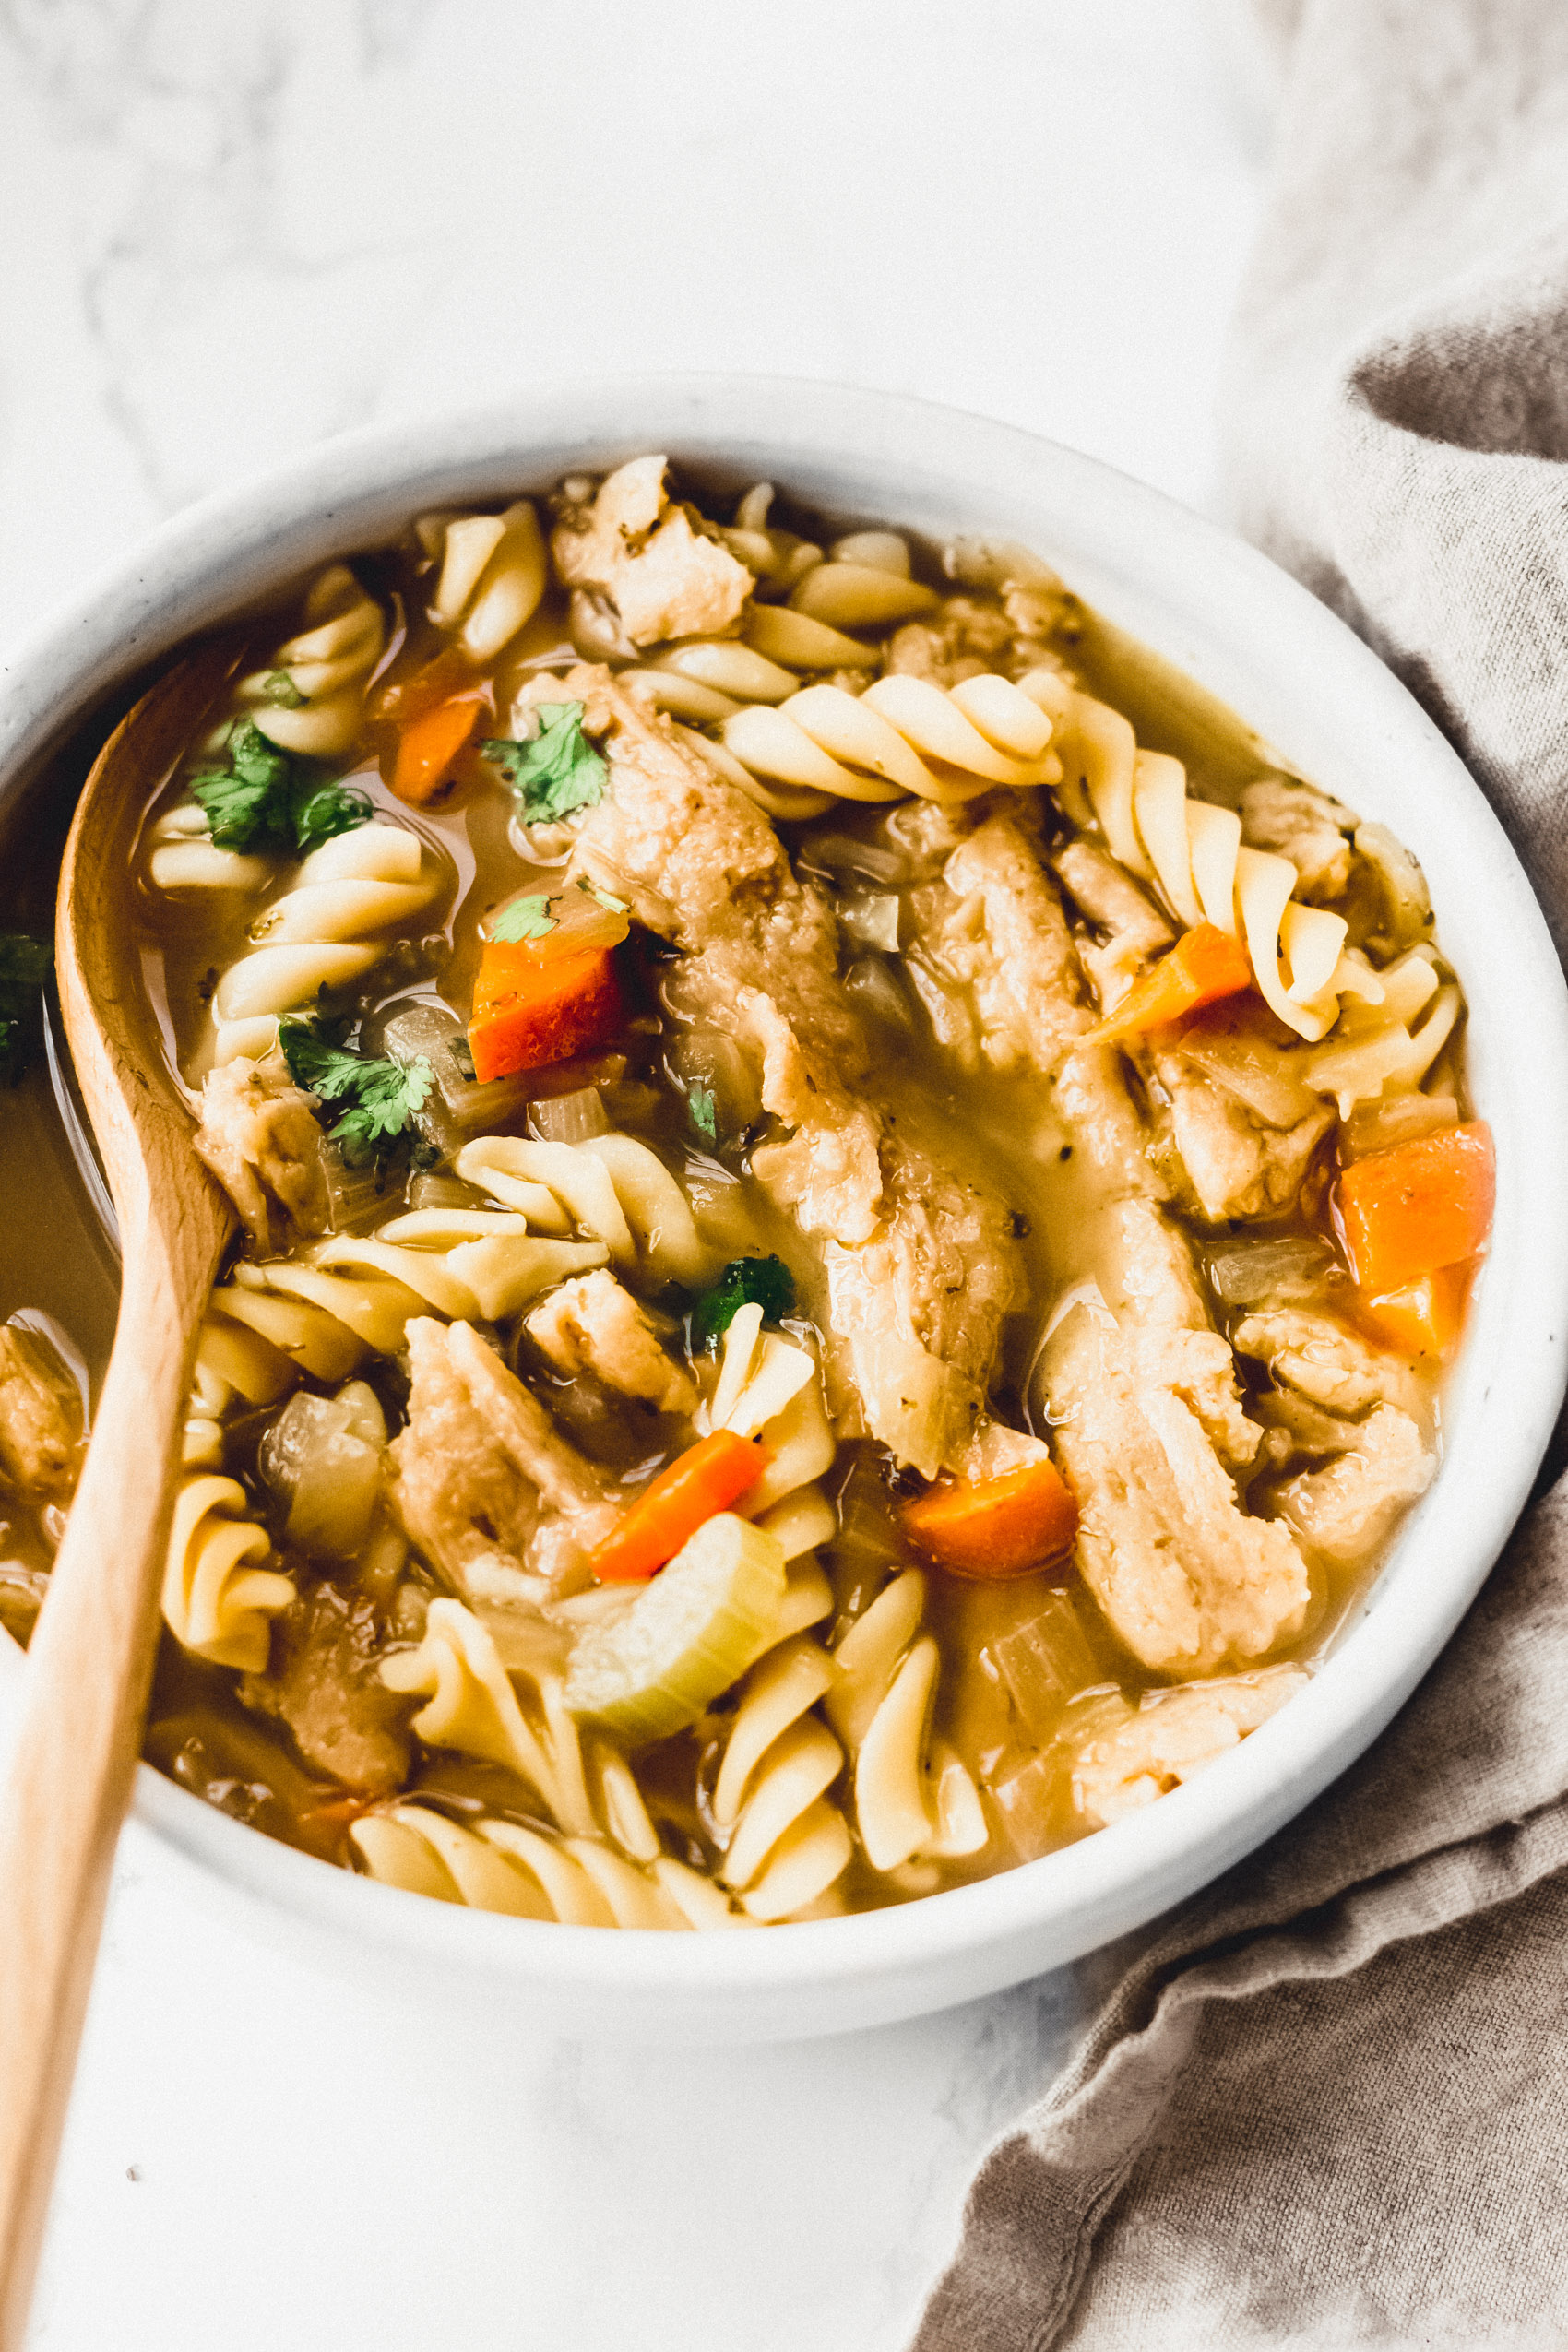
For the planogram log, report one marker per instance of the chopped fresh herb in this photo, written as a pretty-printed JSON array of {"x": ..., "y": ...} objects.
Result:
[
  {"x": 764, "y": 1282},
  {"x": 246, "y": 801},
  {"x": 281, "y": 691},
  {"x": 524, "y": 919},
  {"x": 265, "y": 800},
  {"x": 381, "y": 1096},
  {"x": 24, "y": 964},
  {"x": 699, "y": 1101},
  {"x": 331, "y": 809},
  {"x": 558, "y": 772},
  {"x": 605, "y": 898}
]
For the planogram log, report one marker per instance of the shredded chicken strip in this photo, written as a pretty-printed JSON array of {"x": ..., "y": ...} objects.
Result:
[
  {"x": 1353, "y": 1502},
  {"x": 1150, "y": 1423},
  {"x": 1189, "y": 1580},
  {"x": 593, "y": 1323},
  {"x": 482, "y": 1476},
  {"x": 663, "y": 578},
  {"x": 40, "y": 1415},
  {"x": 1135, "y": 929},
  {"x": 1324, "y": 1359},
  {"x": 1382, "y": 1459},
  {"x": 920, "y": 1261},
  {"x": 259, "y": 1136},
  {"x": 1175, "y": 1735}
]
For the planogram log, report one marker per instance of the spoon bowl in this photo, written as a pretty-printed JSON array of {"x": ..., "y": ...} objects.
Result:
[{"x": 89, "y": 1666}]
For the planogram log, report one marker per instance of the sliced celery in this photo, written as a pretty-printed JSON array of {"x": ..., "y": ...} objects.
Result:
[{"x": 698, "y": 1626}]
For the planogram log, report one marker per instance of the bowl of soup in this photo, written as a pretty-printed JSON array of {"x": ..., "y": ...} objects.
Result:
[{"x": 880, "y": 1098}]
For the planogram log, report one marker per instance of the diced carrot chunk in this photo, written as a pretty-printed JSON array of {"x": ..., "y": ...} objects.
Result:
[
  {"x": 532, "y": 1008},
  {"x": 428, "y": 745},
  {"x": 1205, "y": 964},
  {"x": 1423, "y": 1320},
  {"x": 1425, "y": 1204},
  {"x": 996, "y": 1528},
  {"x": 707, "y": 1478}
]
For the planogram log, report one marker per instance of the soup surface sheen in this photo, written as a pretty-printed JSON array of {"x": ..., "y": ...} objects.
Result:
[{"x": 854, "y": 1202}]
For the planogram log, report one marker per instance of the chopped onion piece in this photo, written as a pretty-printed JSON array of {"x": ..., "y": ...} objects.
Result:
[
  {"x": 838, "y": 853},
  {"x": 1405, "y": 891},
  {"x": 872, "y": 917},
  {"x": 1045, "y": 1663},
  {"x": 1400, "y": 1119},
  {"x": 569, "y": 1118},
  {"x": 879, "y": 991},
  {"x": 1255, "y": 1273},
  {"x": 1269, "y": 1079}
]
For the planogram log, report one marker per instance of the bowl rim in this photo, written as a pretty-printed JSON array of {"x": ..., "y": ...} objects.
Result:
[{"x": 232, "y": 549}]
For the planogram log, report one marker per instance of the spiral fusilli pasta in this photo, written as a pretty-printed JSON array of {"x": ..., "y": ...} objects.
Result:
[
  {"x": 864, "y": 584},
  {"x": 788, "y": 1841},
  {"x": 770, "y": 1388},
  {"x": 785, "y": 1841},
  {"x": 1192, "y": 853},
  {"x": 186, "y": 857},
  {"x": 502, "y": 1866},
  {"x": 472, "y": 1705},
  {"x": 312, "y": 697},
  {"x": 321, "y": 932},
  {"x": 902, "y": 736},
  {"x": 202, "y": 1443},
  {"x": 1386, "y": 1047},
  {"x": 602, "y": 1866},
  {"x": 492, "y": 571},
  {"x": 610, "y": 1186},
  {"x": 776, "y": 559},
  {"x": 354, "y": 1293},
  {"x": 913, "y": 1796},
  {"x": 219, "y": 1595}
]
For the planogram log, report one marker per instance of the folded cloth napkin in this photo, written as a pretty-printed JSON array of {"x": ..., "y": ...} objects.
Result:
[{"x": 1328, "y": 2103}]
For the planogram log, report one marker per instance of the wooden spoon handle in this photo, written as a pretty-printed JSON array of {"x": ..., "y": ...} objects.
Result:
[{"x": 88, "y": 1675}]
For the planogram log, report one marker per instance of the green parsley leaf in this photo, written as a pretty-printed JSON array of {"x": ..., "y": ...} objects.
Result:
[
  {"x": 558, "y": 772},
  {"x": 764, "y": 1282},
  {"x": 699, "y": 1101},
  {"x": 380, "y": 1096},
  {"x": 24, "y": 964},
  {"x": 281, "y": 691},
  {"x": 524, "y": 919},
  {"x": 265, "y": 800},
  {"x": 246, "y": 802},
  {"x": 327, "y": 811}
]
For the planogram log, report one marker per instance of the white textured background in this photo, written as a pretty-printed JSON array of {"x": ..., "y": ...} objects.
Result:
[{"x": 225, "y": 231}]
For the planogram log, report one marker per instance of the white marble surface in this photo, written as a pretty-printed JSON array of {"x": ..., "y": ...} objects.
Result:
[{"x": 225, "y": 232}]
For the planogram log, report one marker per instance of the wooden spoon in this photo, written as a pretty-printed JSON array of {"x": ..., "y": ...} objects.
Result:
[{"x": 89, "y": 1666}]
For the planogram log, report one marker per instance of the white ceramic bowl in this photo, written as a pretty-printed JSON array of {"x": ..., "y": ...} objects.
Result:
[{"x": 1223, "y": 613}]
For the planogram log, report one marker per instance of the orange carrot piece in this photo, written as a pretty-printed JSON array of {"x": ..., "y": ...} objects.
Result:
[
  {"x": 996, "y": 1528},
  {"x": 1425, "y": 1204},
  {"x": 1425, "y": 1318},
  {"x": 428, "y": 745},
  {"x": 707, "y": 1478},
  {"x": 532, "y": 1008},
  {"x": 1205, "y": 964}
]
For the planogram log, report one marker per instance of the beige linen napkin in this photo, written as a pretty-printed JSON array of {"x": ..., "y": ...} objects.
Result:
[{"x": 1328, "y": 2105}]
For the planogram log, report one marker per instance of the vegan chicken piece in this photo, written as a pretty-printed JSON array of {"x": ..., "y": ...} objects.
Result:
[{"x": 259, "y": 1136}]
